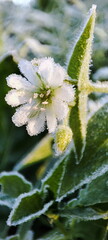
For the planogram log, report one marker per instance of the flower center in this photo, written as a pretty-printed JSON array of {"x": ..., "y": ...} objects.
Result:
[{"x": 44, "y": 97}]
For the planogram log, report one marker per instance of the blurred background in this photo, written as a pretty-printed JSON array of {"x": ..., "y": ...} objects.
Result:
[{"x": 38, "y": 28}]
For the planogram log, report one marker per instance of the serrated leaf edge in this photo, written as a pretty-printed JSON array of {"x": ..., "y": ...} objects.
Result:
[
  {"x": 32, "y": 216},
  {"x": 50, "y": 173},
  {"x": 93, "y": 176},
  {"x": 14, "y": 173}
]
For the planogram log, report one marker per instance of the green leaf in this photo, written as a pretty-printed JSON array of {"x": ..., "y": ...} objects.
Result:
[
  {"x": 78, "y": 69},
  {"x": 28, "y": 206},
  {"x": 28, "y": 235},
  {"x": 53, "y": 235},
  {"x": 77, "y": 121},
  {"x": 24, "y": 230},
  {"x": 81, "y": 54},
  {"x": 95, "y": 159},
  {"x": 14, "y": 237},
  {"x": 54, "y": 177},
  {"x": 81, "y": 213},
  {"x": 13, "y": 184},
  {"x": 3, "y": 217},
  {"x": 67, "y": 176},
  {"x": 41, "y": 151},
  {"x": 88, "y": 230},
  {"x": 95, "y": 192}
]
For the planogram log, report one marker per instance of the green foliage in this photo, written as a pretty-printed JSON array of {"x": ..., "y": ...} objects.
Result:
[
  {"x": 78, "y": 69},
  {"x": 15, "y": 237},
  {"x": 94, "y": 163},
  {"x": 91, "y": 196},
  {"x": 83, "y": 214},
  {"x": 27, "y": 207},
  {"x": 53, "y": 235},
  {"x": 42, "y": 151},
  {"x": 70, "y": 202},
  {"x": 13, "y": 184}
]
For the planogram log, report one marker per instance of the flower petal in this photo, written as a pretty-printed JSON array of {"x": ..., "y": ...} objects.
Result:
[
  {"x": 28, "y": 71},
  {"x": 16, "y": 98},
  {"x": 36, "y": 124},
  {"x": 51, "y": 119},
  {"x": 60, "y": 109},
  {"x": 65, "y": 93},
  {"x": 45, "y": 69},
  {"x": 53, "y": 74},
  {"x": 19, "y": 82},
  {"x": 58, "y": 76},
  {"x": 21, "y": 116}
]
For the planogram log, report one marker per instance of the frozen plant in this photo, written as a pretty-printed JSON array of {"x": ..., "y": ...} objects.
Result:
[
  {"x": 72, "y": 194},
  {"x": 43, "y": 94}
]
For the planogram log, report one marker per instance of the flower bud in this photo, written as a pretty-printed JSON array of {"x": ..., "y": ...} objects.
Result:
[{"x": 63, "y": 137}]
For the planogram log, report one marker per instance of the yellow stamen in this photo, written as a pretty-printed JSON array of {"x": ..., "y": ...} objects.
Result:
[
  {"x": 45, "y": 103},
  {"x": 41, "y": 95},
  {"x": 48, "y": 92}
]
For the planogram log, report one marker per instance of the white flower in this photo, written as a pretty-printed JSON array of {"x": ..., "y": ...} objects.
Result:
[{"x": 42, "y": 94}]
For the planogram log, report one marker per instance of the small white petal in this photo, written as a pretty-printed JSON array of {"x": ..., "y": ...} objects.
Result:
[
  {"x": 53, "y": 74},
  {"x": 16, "y": 98},
  {"x": 28, "y": 71},
  {"x": 58, "y": 76},
  {"x": 35, "y": 95},
  {"x": 36, "y": 124},
  {"x": 21, "y": 116},
  {"x": 65, "y": 93},
  {"x": 61, "y": 109},
  {"x": 19, "y": 82},
  {"x": 46, "y": 69},
  {"x": 51, "y": 119}
]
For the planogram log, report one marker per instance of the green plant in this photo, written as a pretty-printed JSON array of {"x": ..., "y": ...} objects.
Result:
[{"x": 71, "y": 197}]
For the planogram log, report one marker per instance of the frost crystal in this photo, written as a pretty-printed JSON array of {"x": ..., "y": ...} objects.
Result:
[{"x": 42, "y": 94}]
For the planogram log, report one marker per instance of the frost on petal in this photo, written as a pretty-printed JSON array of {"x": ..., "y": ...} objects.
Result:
[
  {"x": 16, "y": 98},
  {"x": 58, "y": 76},
  {"x": 51, "y": 119},
  {"x": 36, "y": 124},
  {"x": 53, "y": 74},
  {"x": 65, "y": 93},
  {"x": 28, "y": 71},
  {"x": 46, "y": 69},
  {"x": 21, "y": 115},
  {"x": 18, "y": 82},
  {"x": 60, "y": 109}
]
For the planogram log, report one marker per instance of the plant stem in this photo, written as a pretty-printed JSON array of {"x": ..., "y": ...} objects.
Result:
[{"x": 101, "y": 87}]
